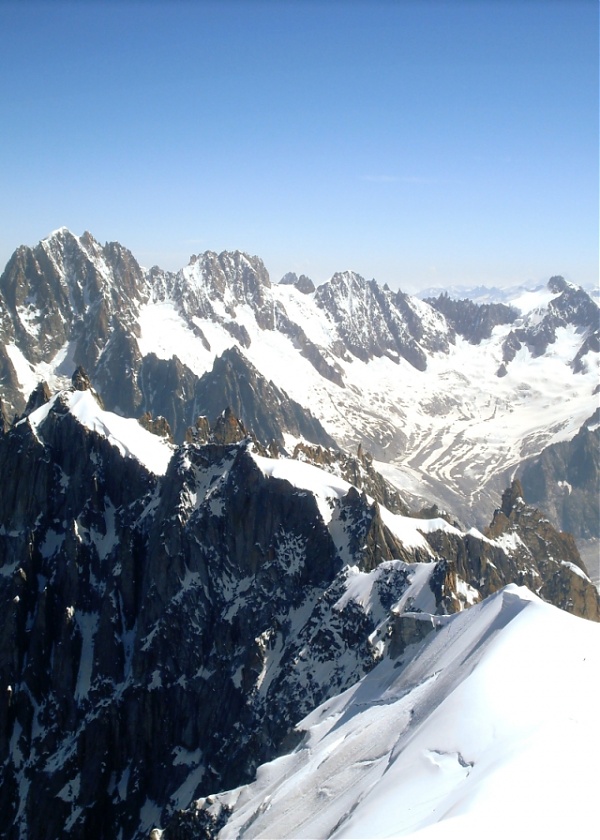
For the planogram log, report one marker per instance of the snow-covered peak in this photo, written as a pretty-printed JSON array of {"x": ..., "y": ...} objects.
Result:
[
  {"x": 346, "y": 282},
  {"x": 561, "y": 304},
  {"x": 131, "y": 439},
  {"x": 528, "y": 300},
  {"x": 63, "y": 244},
  {"x": 328, "y": 489},
  {"x": 57, "y": 242},
  {"x": 373, "y": 321},
  {"x": 58, "y": 233},
  {"x": 430, "y": 749},
  {"x": 214, "y": 286}
]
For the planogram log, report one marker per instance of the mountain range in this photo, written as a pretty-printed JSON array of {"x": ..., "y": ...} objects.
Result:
[
  {"x": 454, "y": 397},
  {"x": 228, "y": 504}
]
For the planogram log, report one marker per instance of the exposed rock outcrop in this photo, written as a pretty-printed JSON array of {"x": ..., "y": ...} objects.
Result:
[
  {"x": 38, "y": 397},
  {"x": 156, "y": 425},
  {"x": 265, "y": 409},
  {"x": 373, "y": 321},
  {"x": 522, "y": 546},
  {"x": 563, "y": 481},
  {"x": 474, "y": 321},
  {"x": 303, "y": 283},
  {"x": 4, "y": 419},
  {"x": 357, "y": 470}
]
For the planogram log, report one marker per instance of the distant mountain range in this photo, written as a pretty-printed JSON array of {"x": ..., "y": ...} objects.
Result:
[
  {"x": 228, "y": 504},
  {"x": 454, "y": 397},
  {"x": 493, "y": 294}
]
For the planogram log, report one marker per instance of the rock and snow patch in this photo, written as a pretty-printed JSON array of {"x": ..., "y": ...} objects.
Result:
[
  {"x": 328, "y": 490},
  {"x": 325, "y": 487},
  {"x": 131, "y": 439}
]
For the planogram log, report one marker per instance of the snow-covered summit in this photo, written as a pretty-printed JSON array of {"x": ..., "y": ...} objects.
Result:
[
  {"x": 131, "y": 439},
  {"x": 474, "y": 730}
]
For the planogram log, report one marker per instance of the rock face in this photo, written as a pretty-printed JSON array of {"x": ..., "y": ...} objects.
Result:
[
  {"x": 522, "y": 546},
  {"x": 70, "y": 290},
  {"x": 4, "y": 420},
  {"x": 233, "y": 382},
  {"x": 163, "y": 633},
  {"x": 572, "y": 306},
  {"x": 303, "y": 283},
  {"x": 375, "y": 322},
  {"x": 472, "y": 320},
  {"x": 563, "y": 480},
  {"x": 356, "y": 470},
  {"x": 38, "y": 397},
  {"x": 548, "y": 560},
  {"x": 267, "y": 410}
]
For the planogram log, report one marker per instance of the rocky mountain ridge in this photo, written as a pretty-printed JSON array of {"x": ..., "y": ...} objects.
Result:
[
  {"x": 474, "y": 321},
  {"x": 172, "y": 611},
  {"x": 73, "y": 290}
]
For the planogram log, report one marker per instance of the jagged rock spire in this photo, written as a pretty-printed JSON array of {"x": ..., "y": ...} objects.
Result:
[
  {"x": 512, "y": 497},
  {"x": 80, "y": 380},
  {"x": 303, "y": 283},
  {"x": 228, "y": 429},
  {"x": 38, "y": 397},
  {"x": 156, "y": 425}
]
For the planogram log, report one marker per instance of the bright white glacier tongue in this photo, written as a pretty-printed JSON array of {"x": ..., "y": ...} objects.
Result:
[{"x": 493, "y": 723}]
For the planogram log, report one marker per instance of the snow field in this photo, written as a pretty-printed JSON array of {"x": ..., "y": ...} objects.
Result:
[{"x": 491, "y": 723}]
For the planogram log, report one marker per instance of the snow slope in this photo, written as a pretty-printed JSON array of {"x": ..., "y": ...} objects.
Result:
[
  {"x": 131, "y": 439},
  {"x": 493, "y": 722},
  {"x": 328, "y": 488}
]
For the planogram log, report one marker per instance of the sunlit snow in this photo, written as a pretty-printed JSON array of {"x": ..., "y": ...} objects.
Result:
[
  {"x": 491, "y": 727},
  {"x": 126, "y": 434},
  {"x": 449, "y": 430},
  {"x": 328, "y": 488}
]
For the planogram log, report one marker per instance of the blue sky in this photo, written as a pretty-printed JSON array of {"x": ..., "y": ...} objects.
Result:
[{"x": 420, "y": 143}]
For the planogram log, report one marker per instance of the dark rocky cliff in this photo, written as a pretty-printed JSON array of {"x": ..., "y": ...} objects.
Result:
[
  {"x": 563, "y": 481},
  {"x": 163, "y": 634}
]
